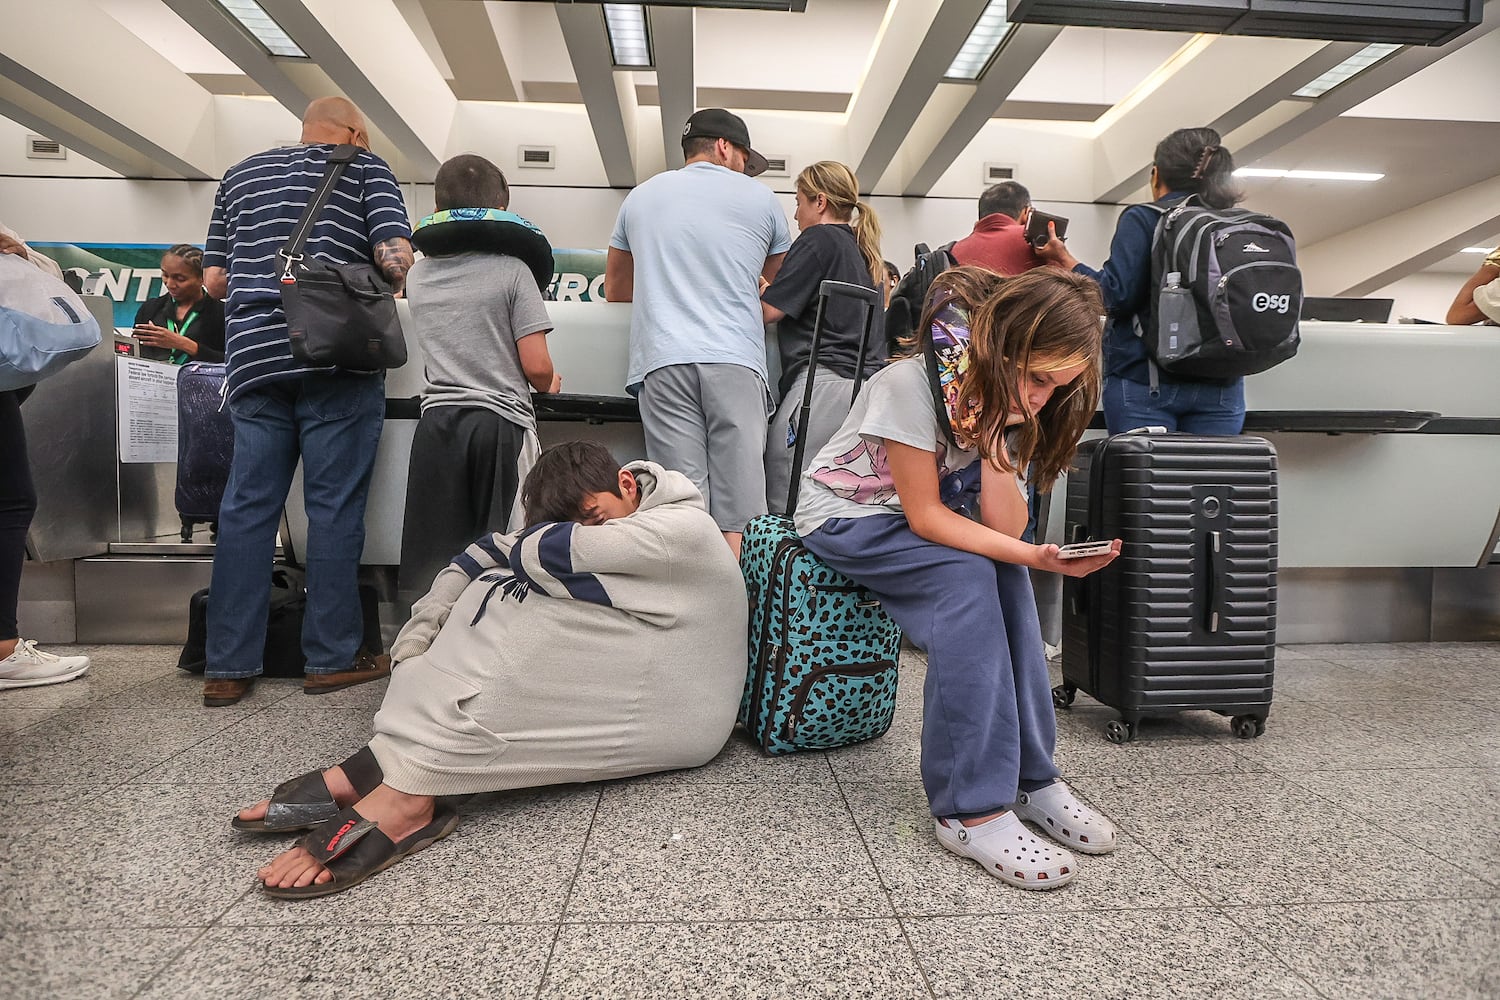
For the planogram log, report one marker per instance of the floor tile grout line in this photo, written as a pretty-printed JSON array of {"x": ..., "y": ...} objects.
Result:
[
  {"x": 885, "y": 890},
  {"x": 1228, "y": 915},
  {"x": 203, "y": 932},
  {"x": 1392, "y": 831},
  {"x": 583, "y": 851}
]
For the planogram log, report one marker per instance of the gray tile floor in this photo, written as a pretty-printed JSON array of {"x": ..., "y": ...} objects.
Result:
[{"x": 1352, "y": 851}]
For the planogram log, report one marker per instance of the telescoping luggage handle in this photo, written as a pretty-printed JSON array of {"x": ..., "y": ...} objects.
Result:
[{"x": 870, "y": 298}]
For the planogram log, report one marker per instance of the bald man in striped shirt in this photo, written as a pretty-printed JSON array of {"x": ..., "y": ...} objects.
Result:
[{"x": 284, "y": 409}]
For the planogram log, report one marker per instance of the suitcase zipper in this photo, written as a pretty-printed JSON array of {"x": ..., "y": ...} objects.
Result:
[
  {"x": 773, "y": 652},
  {"x": 804, "y": 690}
]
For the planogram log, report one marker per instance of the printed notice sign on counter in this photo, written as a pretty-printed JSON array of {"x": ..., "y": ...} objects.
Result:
[{"x": 146, "y": 410}]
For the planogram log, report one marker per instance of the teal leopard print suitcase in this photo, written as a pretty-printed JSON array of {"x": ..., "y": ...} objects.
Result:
[{"x": 823, "y": 654}]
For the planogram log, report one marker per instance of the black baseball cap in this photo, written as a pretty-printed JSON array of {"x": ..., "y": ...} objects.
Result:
[{"x": 716, "y": 123}]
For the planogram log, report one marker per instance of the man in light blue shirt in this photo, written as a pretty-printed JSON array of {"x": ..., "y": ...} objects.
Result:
[{"x": 689, "y": 249}]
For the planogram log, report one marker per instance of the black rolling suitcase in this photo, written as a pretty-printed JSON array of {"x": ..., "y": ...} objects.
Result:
[
  {"x": 1185, "y": 618},
  {"x": 205, "y": 445}
]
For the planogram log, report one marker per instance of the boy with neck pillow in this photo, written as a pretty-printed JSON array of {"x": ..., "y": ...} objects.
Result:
[{"x": 476, "y": 307}]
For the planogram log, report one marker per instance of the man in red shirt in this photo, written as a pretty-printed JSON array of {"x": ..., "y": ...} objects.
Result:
[{"x": 998, "y": 241}]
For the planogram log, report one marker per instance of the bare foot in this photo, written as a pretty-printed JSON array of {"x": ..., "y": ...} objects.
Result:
[
  {"x": 398, "y": 815},
  {"x": 338, "y": 785}
]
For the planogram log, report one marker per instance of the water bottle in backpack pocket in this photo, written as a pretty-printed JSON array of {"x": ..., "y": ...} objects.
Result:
[{"x": 1177, "y": 321}]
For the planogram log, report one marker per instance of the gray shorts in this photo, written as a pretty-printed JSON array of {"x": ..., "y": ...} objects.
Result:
[
  {"x": 830, "y": 407},
  {"x": 709, "y": 423}
]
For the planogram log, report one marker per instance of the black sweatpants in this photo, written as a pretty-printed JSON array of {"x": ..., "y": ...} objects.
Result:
[
  {"x": 461, "y": 484},
  {"x": 17, "y": 504}
]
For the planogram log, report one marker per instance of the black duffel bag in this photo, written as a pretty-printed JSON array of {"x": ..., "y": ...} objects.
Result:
[
  {"x": 283, "y": 651},
  {"x": 337, "y": 314}
]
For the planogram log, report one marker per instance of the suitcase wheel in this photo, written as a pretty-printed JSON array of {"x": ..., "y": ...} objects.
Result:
[
  {"x": 1062, "y": 695},
  {"x": 1119, "y": 731},
  {"x": 1247, "y": 727}
]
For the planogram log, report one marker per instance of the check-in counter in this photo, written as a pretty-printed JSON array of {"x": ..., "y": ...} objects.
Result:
[{"x": 1389, "y": 445}]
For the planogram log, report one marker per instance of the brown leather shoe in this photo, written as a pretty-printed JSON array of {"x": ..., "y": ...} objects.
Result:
[
  {"x": 366, "y": 667},
  {"x": 221, "y": 691}
]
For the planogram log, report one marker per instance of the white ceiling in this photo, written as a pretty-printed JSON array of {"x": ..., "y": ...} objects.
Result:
[{"x": 166, "y": 88}]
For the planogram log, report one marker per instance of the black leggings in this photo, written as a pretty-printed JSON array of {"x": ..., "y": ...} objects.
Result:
[{"x": 17, "y": 504}]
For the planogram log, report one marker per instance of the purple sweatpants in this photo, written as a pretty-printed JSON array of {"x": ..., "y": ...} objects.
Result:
[{"x": 988, "y": 725}]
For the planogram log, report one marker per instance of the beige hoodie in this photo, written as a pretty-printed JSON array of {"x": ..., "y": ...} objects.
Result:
[{"x": 571, "y": 653}]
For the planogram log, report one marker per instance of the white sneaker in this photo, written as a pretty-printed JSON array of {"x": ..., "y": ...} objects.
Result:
[
  {"x": 31, "y": 667},
  {"x": 1053, "y": 652}
]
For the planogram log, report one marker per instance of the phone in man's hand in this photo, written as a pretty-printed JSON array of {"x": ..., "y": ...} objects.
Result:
[{"x": 1036, "y": 228}]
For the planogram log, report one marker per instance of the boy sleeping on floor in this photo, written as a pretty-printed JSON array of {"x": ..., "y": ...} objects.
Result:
[{"x": 606, "y": 639}]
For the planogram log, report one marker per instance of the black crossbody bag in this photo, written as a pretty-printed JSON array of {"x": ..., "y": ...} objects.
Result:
[{"x": 337, "y": 314}]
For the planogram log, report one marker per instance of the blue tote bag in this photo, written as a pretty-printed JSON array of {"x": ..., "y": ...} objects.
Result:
[{"x": 44, "y": 325}]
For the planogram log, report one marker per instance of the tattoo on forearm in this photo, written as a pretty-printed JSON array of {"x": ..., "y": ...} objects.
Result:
[{"x": 394, "y": 258}]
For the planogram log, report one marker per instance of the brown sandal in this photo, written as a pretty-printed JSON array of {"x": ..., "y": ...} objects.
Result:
[
  {"x": 305, "y": 803},
  {"x": 353, "y": 848}
]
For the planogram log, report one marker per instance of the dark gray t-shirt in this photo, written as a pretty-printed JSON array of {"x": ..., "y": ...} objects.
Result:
[{"x": 469, "y": 310}]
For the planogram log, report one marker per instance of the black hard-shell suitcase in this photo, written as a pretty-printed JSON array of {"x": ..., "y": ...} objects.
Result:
[
  {"x": 1185, "y": 618},
  {"x": 205, "y": 445}
]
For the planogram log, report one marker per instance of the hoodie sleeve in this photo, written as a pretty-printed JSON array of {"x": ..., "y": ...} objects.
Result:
[
  {"x": 623, "y": 564},
  {"x": 428, "y": 614}
]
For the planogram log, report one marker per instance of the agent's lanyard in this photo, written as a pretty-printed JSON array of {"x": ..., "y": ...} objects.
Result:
[{"x": 180, "y": 357}]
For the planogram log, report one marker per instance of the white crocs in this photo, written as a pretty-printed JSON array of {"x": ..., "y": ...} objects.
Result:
[
  {"x": 1007, "y": 850},
  {"x": 1066, "y": 820}
]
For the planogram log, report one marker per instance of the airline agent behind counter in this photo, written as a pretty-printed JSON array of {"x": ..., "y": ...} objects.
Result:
[{"x": 186, "y": 324}]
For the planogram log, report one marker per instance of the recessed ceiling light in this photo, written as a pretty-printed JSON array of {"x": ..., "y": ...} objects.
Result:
[
  {"x": 1351, "y": 67},
  {"x": 629, "y": 41},
  {"x": 262, "y": 27},
  {"x": 979, "y": 48},
  {"x": 1308, "y": 175},
  {"x": 1479, "y": 249}
]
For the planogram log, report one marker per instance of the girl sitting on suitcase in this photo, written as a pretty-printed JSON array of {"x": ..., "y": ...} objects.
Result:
[{"x": 1017, "y": 380}]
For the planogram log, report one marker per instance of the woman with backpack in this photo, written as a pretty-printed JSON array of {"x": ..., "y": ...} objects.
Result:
[{"x": 1189, "y": 162}]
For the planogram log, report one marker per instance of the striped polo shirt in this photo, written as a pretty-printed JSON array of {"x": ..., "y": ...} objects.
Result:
[{"x": 257, "y": 206}]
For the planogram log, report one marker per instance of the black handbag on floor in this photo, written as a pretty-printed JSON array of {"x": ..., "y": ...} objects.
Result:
[{"x": 337, "y": 314}]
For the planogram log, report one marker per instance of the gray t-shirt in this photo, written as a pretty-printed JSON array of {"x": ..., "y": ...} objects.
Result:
[{"x": 469, "y": 310}]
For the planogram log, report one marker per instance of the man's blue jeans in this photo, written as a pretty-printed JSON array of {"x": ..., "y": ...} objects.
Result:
[
  {"x": 333, "y": 422},
  {"x": 1190, "y": 407}
]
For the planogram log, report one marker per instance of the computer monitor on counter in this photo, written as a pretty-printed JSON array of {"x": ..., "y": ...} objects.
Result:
[{"x": 1337, "y": 310}]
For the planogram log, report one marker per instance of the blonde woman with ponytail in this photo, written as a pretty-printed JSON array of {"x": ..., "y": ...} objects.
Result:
[{"x": 839, "y": 241}]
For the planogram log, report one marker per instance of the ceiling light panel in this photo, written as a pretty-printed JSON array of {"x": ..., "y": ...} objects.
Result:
[
  {"x": 1349, "y": 68},
  {"x": 262, "y": 27},
  {"x": 1479, "y": 249},
  {"x": 1308, "y": 175},
  {"x": 629, "y": 41},
  {"x": 979, "y": 48}
]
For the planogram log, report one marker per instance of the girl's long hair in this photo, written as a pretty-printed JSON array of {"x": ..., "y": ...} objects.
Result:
[
  {"x": 837, "y": 183},
  {"x": 1044, "y": 320}
]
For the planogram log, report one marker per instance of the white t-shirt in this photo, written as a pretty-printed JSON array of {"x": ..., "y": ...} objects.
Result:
[
  {"x": 851, "y": 476},
  {"x": 1487, "y": 298}
]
